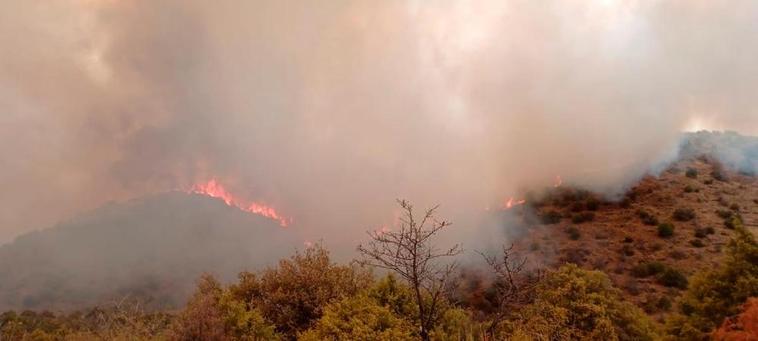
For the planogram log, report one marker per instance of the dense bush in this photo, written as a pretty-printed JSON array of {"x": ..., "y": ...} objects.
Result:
[
  {"x": 647, "y": 218},
  {"x": 592, "y": 204},
  {"x": 576, "y": 304},
  {"x": 293, "y": 295},
  {"x": 582, "y": 217},
  {"x": 214, "y": 314},
  {"x": 664, "y": 274},
  {"x": 573, "y": 233},
  {"x": 646, "y": 269},
  {"x": 551, "y": 217},
  {"x": 691, "y": 173},
  {"x": 704, "y": 232},
  {"x": 717, "y": 293},
  {"x": 684, "y": 214},
  {"x": 124, "y": 320},
  {"x": 665, "y": 230},
  {"x": 359, "y": 318},
  {"x": 672, "y": 278},
  {"x": 697, "y": 243}
]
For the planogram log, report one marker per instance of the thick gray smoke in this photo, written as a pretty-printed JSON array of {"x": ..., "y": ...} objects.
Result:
[{"x": 328, "y": 110}]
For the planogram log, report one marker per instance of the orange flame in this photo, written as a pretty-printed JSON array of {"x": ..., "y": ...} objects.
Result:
[
  {"x": 512, "y": 202},
  {"x": 558, "y": 181},
  {"x": 214, "y": 189}
]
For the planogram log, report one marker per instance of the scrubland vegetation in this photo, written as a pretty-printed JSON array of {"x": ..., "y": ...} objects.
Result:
[{"x": 406, "y": 287}]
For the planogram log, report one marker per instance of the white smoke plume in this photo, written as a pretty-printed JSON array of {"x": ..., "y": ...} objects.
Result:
[{"x": 329, "y": 110}]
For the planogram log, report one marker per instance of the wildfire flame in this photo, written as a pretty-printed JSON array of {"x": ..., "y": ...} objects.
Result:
[
  {"x": 513, "y": 202},
  {"x": 214, "y": 189},
  {"x": 558, "y": 181}
]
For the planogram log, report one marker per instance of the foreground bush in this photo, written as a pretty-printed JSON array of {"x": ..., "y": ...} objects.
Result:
[
  {"x": 718, "y": 293},
  {"x": 577, "y": 304},
  {"x": 293, "y": 295},
  {"x": 213, "y": 314},
  {"x": 360, "y": 318},
  {"x": 125, "y": 320}
]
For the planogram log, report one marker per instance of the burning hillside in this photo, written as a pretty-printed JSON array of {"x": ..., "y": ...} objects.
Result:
[{"x": 214, "y": 189}]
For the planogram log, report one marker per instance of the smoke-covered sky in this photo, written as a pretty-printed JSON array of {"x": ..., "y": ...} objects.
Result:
[{"x": 329, "y": 110}]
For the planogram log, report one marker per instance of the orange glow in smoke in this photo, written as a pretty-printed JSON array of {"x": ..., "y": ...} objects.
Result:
[
  {"x": 508, "y": 204},
  {"x": 214, "y": 189}
]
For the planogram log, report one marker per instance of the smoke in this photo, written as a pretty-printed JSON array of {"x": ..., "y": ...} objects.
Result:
[{"x": 329, "y": 111}]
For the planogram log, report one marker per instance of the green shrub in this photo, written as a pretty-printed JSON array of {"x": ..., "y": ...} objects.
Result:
[
  {"x": 719, "y": 292},
  {"x": 576, "y": 304},
  {"x": 732, "y": 222},
  {"x": 592, "y": 204},
  {"x": 583, "y": 217},
  {"x": 724, "y": 214},
  {"x": 359, "y": 318},
  {"x": 551, "y": 217},
  {"x": 534, "y": 246},
  {"x": 665, "y": 230},
  {"x": 627, "y": 250},
  {"x": 647, "y": 218},
  {"x": 684, "y": 214},
  {"x": 655, "y": 304},
  {"x": 628, "y": 239},
  {"x": 664, "y": 303},
  {"x": 573, "y": 233},
  {"x": 734, "y": 207},
  {"x": 689, "y": 189},
  {"x": 647, "y": 269},
  {"x": 719, "y": 174},
  {"x": 294, "y": 294},
  {"x": 697, "y": 243},
  {"x": 672, "y": 278},
  {"x": 701, "y": 232},
  {"x": 691, "y": 173}
]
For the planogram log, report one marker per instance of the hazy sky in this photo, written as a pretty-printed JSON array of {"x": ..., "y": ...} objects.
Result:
[{"x": 328, "y": 110}]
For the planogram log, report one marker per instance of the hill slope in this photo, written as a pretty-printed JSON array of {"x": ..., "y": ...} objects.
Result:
[
  {"x": 152, "y": 249},
  {"x": 696, "y": 195}
]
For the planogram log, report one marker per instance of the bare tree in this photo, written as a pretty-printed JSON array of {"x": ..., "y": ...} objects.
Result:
[
  {"x": 409, "y": 252},
  {"x": 513, "y": 286}
]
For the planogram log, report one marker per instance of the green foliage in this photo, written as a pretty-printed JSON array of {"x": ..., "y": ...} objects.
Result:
[
  {"x": 582, "y": 217},
  {"x": 551, "y": 217},
  {"x": 359, "y": 318},
  {"x": 123, "y": 321},
  {"x": 691, "y": 173},
  {"x": 697, "y": 243},
  {"x": 592, "y": 204},
  {"x": 647, "y": 269},
  {"x": 647, "y": 218},
  {"x": 704, "y": 232},
  {"x": 386, "y": 311},
  {"x": 294, "y": 294},
  {"x": 214, "y": 314},
  {"x": 457, "y": 325},
  {"x": 665, "y": 275},
  {"x": 733, "y": 221},
  {"x": 391, "y": 293},
  {"x": 576, "y": 304},
  {"x": 724, "y": 214},
  {"x": 573, "y": 233},
  {"x": 665, "y": 230},
  {"x": 684, "y": 214},
  {"x": 717, "y": 293},
  {"x": 671, "y": 277}
]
